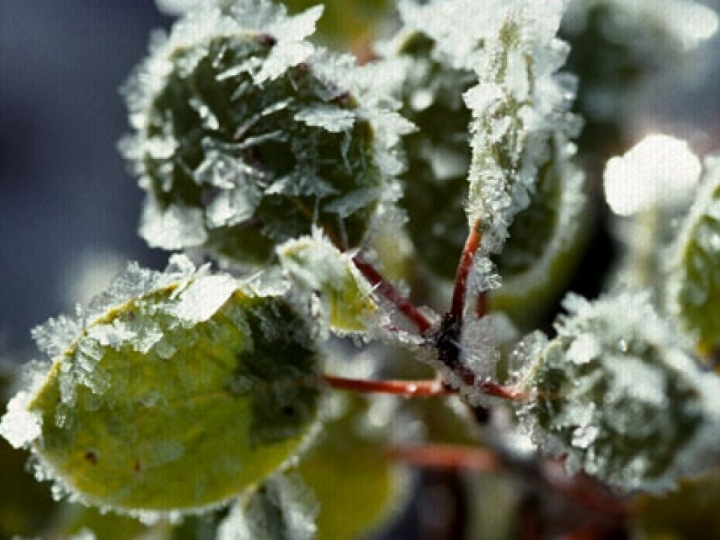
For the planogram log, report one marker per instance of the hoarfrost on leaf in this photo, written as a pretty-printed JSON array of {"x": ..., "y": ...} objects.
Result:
[
  {"x": 261, "y": 135},
  {"x": 615, "y": 378},
  {"x": 202, "y": 298},
  {"x": 19, "y": 426},
  {"x": 693, "y": 293},
  {"x": 173, "y": 228},
  {"x": 171, "y": 370},
  {"x": 520, "y": 108},
  {"x": 282, "y": 508},
  {"x": 330, "y": 118},
  {"x": 328, "y": 282}
]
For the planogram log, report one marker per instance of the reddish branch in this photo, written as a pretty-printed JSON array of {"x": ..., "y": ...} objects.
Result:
[
  {"x": 472, "y": 245},
  {"x": 447, "y": 456},
  {"x": 401, "y": 388},
  {"x": 385, "y": 288}
]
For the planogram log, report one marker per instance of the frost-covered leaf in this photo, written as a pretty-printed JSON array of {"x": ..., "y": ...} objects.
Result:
[
  {"x": 544, "y": 245},
  {"x": 282, "y": 508},
  {"x": 172, "y": 372},
  {"x": 694, "y": 287},
  {"x": 436, "y": 50},
  {"x": 247, "y": 136},
  {"x": 338, "y": 294},
  {"x": 356, "y": 485},
  {"x": 617, "y": 394},
  {"x": 519, "y": 106},
  {"x": 449, "y": 49}
]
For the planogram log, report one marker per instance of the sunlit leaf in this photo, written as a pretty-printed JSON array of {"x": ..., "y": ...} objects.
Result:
[
  {"x": 173, "y": 399},
  {"x": 342, "y": 296}
]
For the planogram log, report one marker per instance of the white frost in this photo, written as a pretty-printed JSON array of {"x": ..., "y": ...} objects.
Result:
[
  {"x": 659, "y": 170},
  {"x": 19, "y": 426},
  {"x": 328, "y": 117},
  {"x": 203, "y": 298},
  {"x": 176, "y": 227}
]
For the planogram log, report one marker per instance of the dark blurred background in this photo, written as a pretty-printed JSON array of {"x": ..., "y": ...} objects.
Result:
[{"x": 65, "y": 195}]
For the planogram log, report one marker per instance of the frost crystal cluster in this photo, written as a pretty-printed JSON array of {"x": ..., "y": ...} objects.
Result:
[
  {"x": 246, "y": 135},
  {"x": 323, "y": 207},
  {"x": 616, "y": 395},
  {"x": 520, "y": 108}
]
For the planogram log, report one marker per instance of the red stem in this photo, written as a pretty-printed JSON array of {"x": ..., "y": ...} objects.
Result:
[
  {"x": 505, "y": 392},
  {"x": 400, "y": 388},
  {"x": 472, "y": 245},
  {"x": 391, "y": 293},
  {"x": 447, "y": 456}
]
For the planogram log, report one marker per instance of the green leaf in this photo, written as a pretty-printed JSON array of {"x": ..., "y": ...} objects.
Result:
[
  {"x": 344, "y": 298},
  {"x": 544, "y": 245},
  {"x": 617, "y": 395},
  {"x": 350, "y": 23},
  {"x": 356, "y": 485},
  {"x": 75, "y": 518},
  {"x": 246, "y": 138},
  {"x": 694, "y": 288},
  {"x": 175, "y": 398}
]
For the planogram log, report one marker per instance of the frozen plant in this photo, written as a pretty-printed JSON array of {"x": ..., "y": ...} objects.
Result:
[{"x": 395, "y": 228}]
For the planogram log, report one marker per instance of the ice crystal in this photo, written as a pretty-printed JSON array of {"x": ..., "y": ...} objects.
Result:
[
  {"x": 246, "y": 135},
  {"x": 283, "y": 508},
  {"x": 519, "y": 106},
  {"x": 339, "y": 296},
  {"x": 617, "y": 393}
]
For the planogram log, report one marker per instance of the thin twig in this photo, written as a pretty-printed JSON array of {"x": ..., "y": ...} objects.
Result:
[
  {"x": 447, "y": 456},
  {"x": 423, "y": 388},
  {"x": 472, "y": 244},
  {"x": 384, "y": 287}
]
